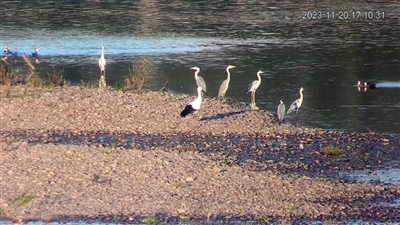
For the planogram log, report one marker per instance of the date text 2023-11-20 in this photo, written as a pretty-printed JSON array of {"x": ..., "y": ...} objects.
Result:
[{"x": 343, "y": 15}]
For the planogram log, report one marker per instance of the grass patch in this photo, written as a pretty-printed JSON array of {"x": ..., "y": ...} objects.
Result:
[
  {"x": 2, "y": 212},
  {"x": 180, "y": 185},
  {"x": 141, "y": 71},
  {"x": 264, "y": 218},
  {"x": 5, "y": 73},
  {"x": 331, "y": 151},
  {"x": 33, "y": 80},
  {"x": 106, "y": 151},
  {"x": 89, "y": 84},
  {"x": 56, "y": 77},
  {"x": 150, "y": 220},
  {"x": 24, "y": 199},
  {"x": 116, "y": 144}
]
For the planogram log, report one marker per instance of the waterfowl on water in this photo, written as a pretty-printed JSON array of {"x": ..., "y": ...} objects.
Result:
[
  {"x": 369, "y": 85},
  {"x": 6, "y": 50},
  {"x": 35, "y": 54}
]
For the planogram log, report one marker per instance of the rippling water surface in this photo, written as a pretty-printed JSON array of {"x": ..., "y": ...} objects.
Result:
[{"x": 325, "y": 56}]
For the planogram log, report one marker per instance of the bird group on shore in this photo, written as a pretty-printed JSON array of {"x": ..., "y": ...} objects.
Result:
[{"x": 194, "y": 106}]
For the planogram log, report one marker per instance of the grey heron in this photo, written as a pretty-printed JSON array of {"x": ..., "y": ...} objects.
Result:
[
  {"x": 296, "y": 104},
  {"x": 102, "y": 65},
  {"x": 194, "y": 106},
  {"x": 225, "y": 84},
  {"x": 281, "y": 111},
  {"x": 252, "y": 87},
  {"x": 199, "y": 80},
  {"x": 35, "y": 53}
]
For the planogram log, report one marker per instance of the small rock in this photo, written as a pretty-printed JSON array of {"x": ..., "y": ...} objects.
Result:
[
  {"x": 189, "y": 179},
  {"x": 181, "y": 211}
]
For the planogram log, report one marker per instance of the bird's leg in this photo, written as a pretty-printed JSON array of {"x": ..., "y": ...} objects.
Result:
[{"x": 254, "y": 98}]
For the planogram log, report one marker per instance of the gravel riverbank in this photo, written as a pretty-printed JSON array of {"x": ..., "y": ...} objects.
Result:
[{"x": 75, "y": 153}]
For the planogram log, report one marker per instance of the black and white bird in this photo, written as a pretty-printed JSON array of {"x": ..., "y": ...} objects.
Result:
[
  {"x": 194, "y": 106},
  {"x": 35, "y": 53},
  {"x": 7, "y": 51}
]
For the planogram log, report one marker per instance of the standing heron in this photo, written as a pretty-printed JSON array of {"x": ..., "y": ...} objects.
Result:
[
  {"x": 281, "y": 111},
  {"x": 296, "y": 104},
  {"x": 102, "y": 65},
  {"x": 225, "y": 84},
  {"x": 194, "y": 106},
  {"x": 199, "y": 80},
  {"x": 252, "y": 87}
]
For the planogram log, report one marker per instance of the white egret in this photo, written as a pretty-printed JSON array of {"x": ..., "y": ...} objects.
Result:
[{"x": 102, "y": 65}]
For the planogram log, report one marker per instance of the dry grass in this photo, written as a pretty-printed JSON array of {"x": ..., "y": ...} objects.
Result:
[
  {"x": 331, "y": 151},
  {"x": 56, "y": 78},
  {"x": 33, "y": 80},
  {"x": 5, "y": 73},
  {"x": 141, "y": 70}
]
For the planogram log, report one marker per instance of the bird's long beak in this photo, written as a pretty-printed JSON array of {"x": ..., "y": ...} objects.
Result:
[{"x": 193, "y": 68}]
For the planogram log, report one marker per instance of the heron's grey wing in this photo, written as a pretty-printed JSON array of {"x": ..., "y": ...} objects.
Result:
[
  {"x": 201, "y": 83},
  {"x": 292, "y": 106},
  {"x": 223, "y": 88},
  {"x": 250, "y": 87}
]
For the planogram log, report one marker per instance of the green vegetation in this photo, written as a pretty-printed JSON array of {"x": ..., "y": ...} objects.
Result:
[
  {"x": 150, "y": 220},
  {"x": 264, "y": 218},
  {"x": 106, "y": 151},
  {"x": 24, "y": 199}
]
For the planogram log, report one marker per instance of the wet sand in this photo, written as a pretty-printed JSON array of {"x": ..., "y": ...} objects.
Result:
[{"x": 75, "y": 153}]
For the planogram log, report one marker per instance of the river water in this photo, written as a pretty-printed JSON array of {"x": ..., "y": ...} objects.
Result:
[{"x": 325, "y": 51}]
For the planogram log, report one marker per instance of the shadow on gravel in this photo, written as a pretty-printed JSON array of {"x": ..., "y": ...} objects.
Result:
[
  {"x": 222, "y": 115},
  {"x": 286, "y": 154},
  {"x": 283, "y": 155},
  {"x": 386, "y": 215}
]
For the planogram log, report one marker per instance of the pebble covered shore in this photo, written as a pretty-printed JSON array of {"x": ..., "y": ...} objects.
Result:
[{"x": 76, "y": 153}]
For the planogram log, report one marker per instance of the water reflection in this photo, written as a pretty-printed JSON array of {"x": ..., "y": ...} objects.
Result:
[{"x": 326, "y": 57}]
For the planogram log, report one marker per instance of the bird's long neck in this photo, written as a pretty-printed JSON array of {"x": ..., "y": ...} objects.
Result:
[
  {"x": 199, "y": 95},
  {"x": 301, "y": 96},
  {"x": 196, "y": 74},
  {"x": 259, "y": 77},
  {"x": 228, "y": 74},
  {"x": 102, "y": 51}
]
